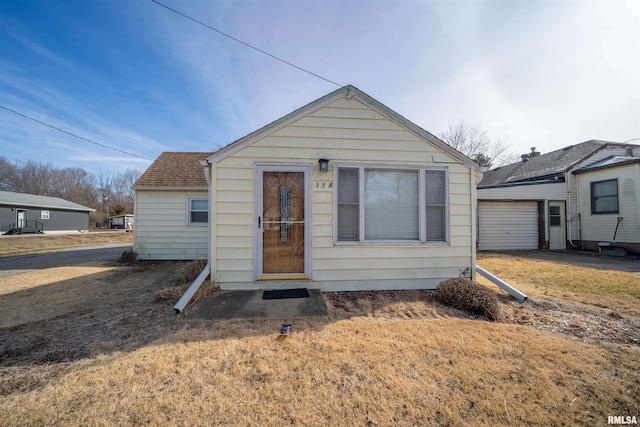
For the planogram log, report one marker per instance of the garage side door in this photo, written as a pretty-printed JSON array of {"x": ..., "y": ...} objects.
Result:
[{"x": 507, "y": 225}]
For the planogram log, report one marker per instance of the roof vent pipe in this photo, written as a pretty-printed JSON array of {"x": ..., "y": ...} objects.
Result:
[
  {"x": 533, "y": 152},
  {"x": 525, "y": 158}
]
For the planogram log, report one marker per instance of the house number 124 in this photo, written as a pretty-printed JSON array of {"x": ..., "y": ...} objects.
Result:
[{"x": 324, "y": 184}]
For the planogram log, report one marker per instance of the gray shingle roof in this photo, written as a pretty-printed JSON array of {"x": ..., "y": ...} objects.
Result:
[
  {"x": 543, "y": 166},
  {"x": 175, "y": 170},
  {"x": 31, "y": 200}
]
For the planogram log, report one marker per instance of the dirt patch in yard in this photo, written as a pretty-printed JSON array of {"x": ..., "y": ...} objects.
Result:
[{"x": 549, "y": 314}]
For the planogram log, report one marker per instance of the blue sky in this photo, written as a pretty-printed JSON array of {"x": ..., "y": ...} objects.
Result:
[{"x": 133, "y": 75}]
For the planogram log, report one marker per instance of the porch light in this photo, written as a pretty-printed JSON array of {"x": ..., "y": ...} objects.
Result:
[{"x": 324, "y": 164}]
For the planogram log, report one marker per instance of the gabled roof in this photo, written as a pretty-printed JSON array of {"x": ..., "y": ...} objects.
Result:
[
  {"x": 174, "y": 170},
  {"x": 344, "y": 92},
  {"x": 22, "y": 200},
  {"x": 545, "y": 166}
]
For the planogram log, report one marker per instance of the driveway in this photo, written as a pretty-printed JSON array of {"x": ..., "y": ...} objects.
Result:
[
  {"x": 629, "y": 263},
  {"x": 62, "y": 258}
]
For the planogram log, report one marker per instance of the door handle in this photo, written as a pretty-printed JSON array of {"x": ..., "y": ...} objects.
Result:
[{"x": 259, "y": 220}]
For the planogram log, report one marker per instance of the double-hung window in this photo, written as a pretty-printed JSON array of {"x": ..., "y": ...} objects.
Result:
[
  {"x": 198, "y": 211},
  {"x": 384, "y": 204},
  {"x": 604, "y": 197}
]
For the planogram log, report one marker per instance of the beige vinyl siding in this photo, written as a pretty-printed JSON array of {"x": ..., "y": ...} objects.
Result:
[
  {"x": 600, "y": 227},
  {"x": 345, "y": 131},
  {"x": 161, "y": 230}
]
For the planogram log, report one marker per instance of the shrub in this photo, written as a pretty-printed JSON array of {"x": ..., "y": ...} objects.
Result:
[
  {"x": 128, "y": 257},
  {"x": 192, "y": 270},
  {"x": 469, "y": 296}
]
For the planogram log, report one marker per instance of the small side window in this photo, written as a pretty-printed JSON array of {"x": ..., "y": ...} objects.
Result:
[
  {"x": 44, "y": 214},
  {"x": 198, "y": 211},
  {"x": 604, "y": 197}
]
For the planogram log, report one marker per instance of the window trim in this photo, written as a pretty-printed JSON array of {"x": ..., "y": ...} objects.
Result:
[
  {"x": 192, "y": 223},
  {"x": 593, "y": 200},
  {"x": 422, "y": 205}
]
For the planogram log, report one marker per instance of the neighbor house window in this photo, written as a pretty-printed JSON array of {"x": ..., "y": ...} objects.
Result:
[
  {"x": 380, "y": 204},
  {"x": 198, "y": 210},
  {"x": 604, "y": 197},
  {"x": 44, "y": 214}
]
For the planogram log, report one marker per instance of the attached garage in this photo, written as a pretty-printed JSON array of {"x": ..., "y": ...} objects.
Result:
[{"x": 508, "y": 225}]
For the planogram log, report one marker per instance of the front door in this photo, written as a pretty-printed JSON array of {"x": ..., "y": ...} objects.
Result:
[
  {"x": 281, "y": 223},
  {"x": 557, "y": 233},
  {"x": 21, "y": 218}
]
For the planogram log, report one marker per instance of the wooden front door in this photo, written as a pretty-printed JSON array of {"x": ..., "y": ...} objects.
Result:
[{"x": 282, "y": 224}]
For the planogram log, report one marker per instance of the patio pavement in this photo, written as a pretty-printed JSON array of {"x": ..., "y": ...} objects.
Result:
[{"x": 250, "y": 305}]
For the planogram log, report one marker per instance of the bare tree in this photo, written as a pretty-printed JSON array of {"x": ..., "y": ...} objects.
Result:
[
  {"x": 34, "y": 178},
  {"x": 124, "y": 187},
  {"x": 8, "y": 175},
  {"x": 104, "y": 181},
  {"x": 74, "y": 184},
  {"x": 473, "y": 141}
]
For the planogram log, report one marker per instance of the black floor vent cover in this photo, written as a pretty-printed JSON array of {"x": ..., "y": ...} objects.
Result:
[{"x": 286, "y": 293}]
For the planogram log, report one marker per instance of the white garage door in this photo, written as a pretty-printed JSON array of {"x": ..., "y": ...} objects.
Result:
[{"x": 507, "y": 225}]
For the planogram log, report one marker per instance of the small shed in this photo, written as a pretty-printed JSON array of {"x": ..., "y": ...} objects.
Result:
[
  {"x": 29, "y": 213},
  {"x": 121, "y": 222}
]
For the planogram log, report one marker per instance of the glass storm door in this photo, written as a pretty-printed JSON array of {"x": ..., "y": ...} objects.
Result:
[
  {"x": 557, "y": 239},
  {"x": 283, "y": 227},
  {"x": 22, "y": 218}
]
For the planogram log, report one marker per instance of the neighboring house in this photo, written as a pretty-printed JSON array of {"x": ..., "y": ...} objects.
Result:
[
  {"x": 28, "y": 213},
  {"x": 121, "y": 222},
  {"x": 568, "y": 198},
  {"x": 171, "y": 208},
  {"x": 341, "y": 194}
]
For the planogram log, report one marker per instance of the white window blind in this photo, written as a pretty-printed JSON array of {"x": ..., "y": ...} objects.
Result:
[
  {"x": 385, "y": 204},
  {"x": 391, "y": 205},
  {"x": 348, "y": 204},
  {"x": 435, "y": 186}
]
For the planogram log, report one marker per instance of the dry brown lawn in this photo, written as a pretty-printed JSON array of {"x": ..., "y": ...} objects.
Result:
[
  {"x": 34, "y": 243},
  {"x": 103, "y": 352}
]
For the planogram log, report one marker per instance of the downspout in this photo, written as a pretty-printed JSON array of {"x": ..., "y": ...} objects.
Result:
[
  {"x": 190, "y": 292},
  {"x": 569, "y": 181},
  {"x": 502, "y": 284}
]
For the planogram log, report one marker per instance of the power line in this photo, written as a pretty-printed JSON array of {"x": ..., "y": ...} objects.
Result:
[
  {"x": 72, "y": 134},
  {"x": 246, "y": 44}
]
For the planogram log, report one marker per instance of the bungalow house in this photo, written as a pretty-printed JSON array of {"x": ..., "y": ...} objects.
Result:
[
  {"x": 28, "y": 213},
  {"x": 341, "y": 194},
  {"x": 568, "y": 198}
]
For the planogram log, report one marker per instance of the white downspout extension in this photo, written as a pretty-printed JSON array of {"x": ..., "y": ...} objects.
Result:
[
  {"x": 502, "y": 284},
  {"x": 190, "y": 292}
]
